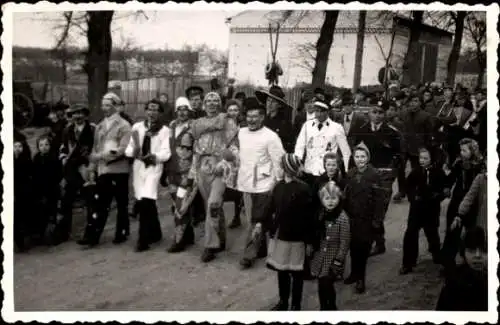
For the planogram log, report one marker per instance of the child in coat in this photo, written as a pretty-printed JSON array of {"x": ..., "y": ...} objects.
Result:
[
  {"x": 334, "y": 236},
  {"x": 22, "y": 192},
  {"x": 47, "y": 175},
  {"x": 291, "y": 232},
  {"x": 425, "y": 189},
  {"x": 363, "y": 203},
  {"x": 462, "y": 174}
]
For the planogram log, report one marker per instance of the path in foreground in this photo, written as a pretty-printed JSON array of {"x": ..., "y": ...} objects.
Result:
[{"x": 114, "y": 278}]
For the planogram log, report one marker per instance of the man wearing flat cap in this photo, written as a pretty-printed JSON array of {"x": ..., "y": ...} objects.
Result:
[
  {"x": 195, "y": 96},
  {"x": 77, "y": 142},
  {"x": 383, "y": 141},
  {"x": 278, "y": 117}
]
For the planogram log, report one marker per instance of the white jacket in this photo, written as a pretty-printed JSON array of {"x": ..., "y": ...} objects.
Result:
[
  {"x": 146, "y": 180},
  {"x": 260, "y": 160},
  {"x": 315, "y": 143}
]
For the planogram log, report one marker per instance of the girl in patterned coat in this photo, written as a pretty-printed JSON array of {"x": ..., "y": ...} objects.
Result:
[{"x": 334, "y": 236}]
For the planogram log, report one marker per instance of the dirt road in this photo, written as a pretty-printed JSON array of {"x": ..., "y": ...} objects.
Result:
[{"x": 115, "y": 278}]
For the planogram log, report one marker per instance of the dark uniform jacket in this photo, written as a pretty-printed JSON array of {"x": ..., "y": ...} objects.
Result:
[
  {"x": 47, "y": 175},
  {"x": 78, "y": 150},
  {"x": 291, "y": 206},
  {"x": 357, "y": 121},
  {"x": 283, "y": 127},
  {"x": 418, "y": 131},
  {"x": 384, "y": 144}
]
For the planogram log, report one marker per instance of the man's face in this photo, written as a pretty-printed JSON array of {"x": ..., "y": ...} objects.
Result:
[
  {"x": 480, "y": 97},
  {"x": 233, "y": 111},
  {"x": 255, "y": 118},
  {"x": 53, "y": 117},
  {"x": 427, "y": 96},
  {"x": 348, "y": 109},
  {"x": 272, "y": 105},
  {"x": 424, "y": 158},
  {"x": 377, "y": 115},
  {"x": 321, "y": 114},
  {"x": 163, "y": 98},
  {"x": 309, "y": 106},
  {"x": 78, "y": 117},
  {"x": 415, "y": 104},
  {"x": 153, "y": 112},
  {"x": 107, "y": 107},
  {"x": 212, "y": 105},
  {"x": 196, "y": 102},
  {"x": 183, "y": 113}
]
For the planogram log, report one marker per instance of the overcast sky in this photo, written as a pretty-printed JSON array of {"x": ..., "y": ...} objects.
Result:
[{"x": 171, "y": 28}]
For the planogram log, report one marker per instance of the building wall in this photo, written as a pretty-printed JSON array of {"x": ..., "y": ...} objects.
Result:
[{"x": 249, "y": 51}]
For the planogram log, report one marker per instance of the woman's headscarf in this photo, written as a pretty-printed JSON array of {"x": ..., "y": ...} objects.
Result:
[
  {"x": 182, "y": 101},
  {"x": 114, "y": 98}
]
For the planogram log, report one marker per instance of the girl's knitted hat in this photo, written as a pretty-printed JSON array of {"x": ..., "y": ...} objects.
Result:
[{"x": 291, "y": 164}]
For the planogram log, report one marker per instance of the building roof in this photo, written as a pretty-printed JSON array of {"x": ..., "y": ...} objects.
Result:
[{"x": 403, "y": 21}]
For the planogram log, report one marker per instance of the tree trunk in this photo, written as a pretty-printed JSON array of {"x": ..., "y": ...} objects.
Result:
[
  {"x": 323, "y": 46},
  {"x": 411, "y": 68},
  {"x": 481, "y": 61},
  {"x": 97, "y": 58},
  {"x": 358, "y": 66},
  {"x": 125, "y": 68},
  {"x": 455, "y": 50}
]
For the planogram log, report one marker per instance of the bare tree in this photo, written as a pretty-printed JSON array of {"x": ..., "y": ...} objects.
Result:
[
  {"x": 323, "y": 47},
  {"x": 358, "y": 66},
  {"x": 304, "y": 56},
  {"x": 475, "y": 25},
  {"x": 411, "y": 70},
  {"x": 458, "y": 18},
  {"x": 123, "y": 51}
]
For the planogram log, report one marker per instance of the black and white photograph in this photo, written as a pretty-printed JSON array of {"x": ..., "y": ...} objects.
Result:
[{"x": 269, "y": 158}]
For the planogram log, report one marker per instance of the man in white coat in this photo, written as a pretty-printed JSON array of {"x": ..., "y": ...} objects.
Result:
[
  {"x": 316, "y": 138},
  {"x": 150, "y": 147},
  {"x": 260, "y": 153}
]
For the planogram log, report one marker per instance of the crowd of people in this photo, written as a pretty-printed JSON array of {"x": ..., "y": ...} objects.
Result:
[{"x": 312, "y": 190}]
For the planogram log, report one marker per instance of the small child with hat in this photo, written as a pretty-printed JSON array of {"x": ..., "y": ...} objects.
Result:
[{"x": 291, "y": 232}]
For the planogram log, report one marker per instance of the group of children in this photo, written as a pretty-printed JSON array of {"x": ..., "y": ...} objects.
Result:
[{"x": 345, "y": 210}]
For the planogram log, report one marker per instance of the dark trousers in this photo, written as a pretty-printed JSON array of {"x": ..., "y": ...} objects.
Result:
[
  {"x": 71, "y": 190},
  {"x": 21, "y": 220},
  {"x": 149, "y": 224},
  {"x": 47, "y": 212},
  {"x": 386, "y": 179},
  {"x": 360, "y": 251},
  {"x": 451, "y": 243},
  {"x": 402, "y": 171},
  {"x": 295, "y": 281},
  {"x": 410, "y": 241},
  {"x": 326, "y": 293},
  {"x": 111, "y": 186}
]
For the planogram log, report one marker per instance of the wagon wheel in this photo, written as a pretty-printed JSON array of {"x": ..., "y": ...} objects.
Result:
[{"x": 24, "y": 110}]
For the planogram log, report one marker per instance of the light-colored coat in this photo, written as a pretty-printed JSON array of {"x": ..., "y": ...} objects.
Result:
[
  {"x": 146, "y": 179},
  {"x": 259, "y": 156},
  {"x": 315, "y": 143},
  {"x": 116, "y": 136}
]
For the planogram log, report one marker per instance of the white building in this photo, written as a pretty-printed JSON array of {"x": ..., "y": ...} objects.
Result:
[{"x": 249, "y": 47}]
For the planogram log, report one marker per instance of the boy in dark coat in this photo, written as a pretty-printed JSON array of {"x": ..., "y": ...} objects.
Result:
[
  {"x": 425, "y": 188},
  {"x": 363, "y": 201},
  {"x": 466, "y": 288},
  {"x": 22, "y": 190},
  {"x": 47, "y": 175}
]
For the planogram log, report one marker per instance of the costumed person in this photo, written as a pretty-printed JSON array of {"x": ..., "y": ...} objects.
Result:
[
  {"x": 180, "y": 188},
  {"x": 47, "y": 175},
  {"x": 108, "y": 160},
  {"x": 215, "y": 149},
  {"x": 278, "y": 117},
  {"x": 363, "y": 202},
  {"x": 22, "y": 191},
  {"x": 425, "y": 190},
  {"x": 461, "y": 175},
  {"x": 292, "y": 233},
  {"x": 77, "y": 143},
  {"x": 150, "y": 146},
  {"x": 466, "y": 288},
  {"x": 318, "y": 137},
  {"x": 260, "y": 168},
  {"x": 234, "y": 110},
  {"x": 333, "y": 239},
  {"x": 195, "y": 96},
  {"x": 383, "y": 142}
]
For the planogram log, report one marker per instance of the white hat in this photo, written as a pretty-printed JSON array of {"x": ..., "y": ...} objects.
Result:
[{"x": 182, "y": 101}]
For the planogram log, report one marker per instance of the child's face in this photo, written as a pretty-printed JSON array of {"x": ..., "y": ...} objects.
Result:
[
  {"x": 477, "y": 259},
  {"x": 330, "y": 202},
  {"x": 424, "y": 158},
  {"x": 18, "y": 149},
  {"x": 331, "y": 166},
  {"x": 465, "y": 152},
  {"x": 44, "y": 146},
  {"x": 360, "y": 158}
]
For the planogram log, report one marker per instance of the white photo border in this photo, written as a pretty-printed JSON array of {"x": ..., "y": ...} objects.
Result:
[{"x": 368, "y": 317}]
